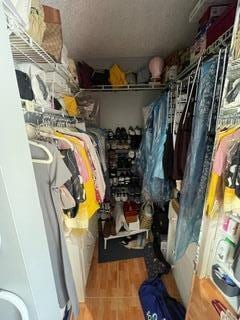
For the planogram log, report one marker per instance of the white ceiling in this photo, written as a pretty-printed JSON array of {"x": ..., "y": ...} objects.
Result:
[{"x": 110, "y": 29}]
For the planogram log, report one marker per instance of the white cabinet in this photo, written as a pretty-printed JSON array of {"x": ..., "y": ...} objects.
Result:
[
  {"x": 183, "y": 269},
  {"x": 81, "y": 246}
]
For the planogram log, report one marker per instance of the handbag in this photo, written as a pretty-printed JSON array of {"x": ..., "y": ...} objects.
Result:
[
  {"x": 146, "y": 215},
  {"x": 52, "y": 38},
  {"x": 37, "y": 26}
]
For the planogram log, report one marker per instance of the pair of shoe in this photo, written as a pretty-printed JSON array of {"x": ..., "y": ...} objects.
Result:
[
  {"x": 121, "y": 133},
  {"x": 123, "y": 163},
  {"x": 112, "y": 172},
  {"x": 134, "y": 190},
  {"x": 137, "y": 131},
  {"x": 122, "y": 145},
  {"x": 110, "y": 134},
  {"x": 131, "y": 154},
  {"x": 124, "y": 178},
  {"x": 121, "y": 197},
  {"x": 115, "y": 182}
]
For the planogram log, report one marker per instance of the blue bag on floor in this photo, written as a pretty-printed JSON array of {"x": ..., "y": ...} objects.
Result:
[{"x": 157, "y": 304}]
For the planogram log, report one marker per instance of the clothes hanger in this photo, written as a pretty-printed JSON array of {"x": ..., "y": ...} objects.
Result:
[
  {"x": 38, "y": 145},
  {"x": 52, "y": 136},
  {"x": 46, "y": 130}
]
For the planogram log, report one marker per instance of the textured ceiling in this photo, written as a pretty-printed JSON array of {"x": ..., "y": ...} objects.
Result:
[{"x": 109, "y": 29}]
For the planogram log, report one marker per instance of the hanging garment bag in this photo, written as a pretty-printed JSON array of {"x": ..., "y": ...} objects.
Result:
[{"x": 157, "y": 304}]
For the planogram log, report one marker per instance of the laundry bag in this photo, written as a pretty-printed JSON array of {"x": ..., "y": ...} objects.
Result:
[
  {"x": 52, "y": 39},
  {"x": 37, "y": 26},
  {"x": 157, "y": 304}
]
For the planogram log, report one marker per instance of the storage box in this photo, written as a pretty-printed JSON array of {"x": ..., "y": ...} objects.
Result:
[
  {"x": 221, "y": 25},
  {"x": 131, "y": 219},
  {"x": 134, "y": 225},
  {"x": 228, "y": 290},
  {"x": 213, "y": 12}
]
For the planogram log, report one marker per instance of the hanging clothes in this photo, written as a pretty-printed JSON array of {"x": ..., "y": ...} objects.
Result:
[
  {"x": 96, "y": 165},
  {"x": 215, "y": 190},
  {"x": 156, "y": 187},
  {"x": 197, "y": 165},
  {"x": 183, "y": 139},
  {"x": 75, "y": 184},
  {"x": 90, "y": 205},
  {"x": 168, "y": 153},
  {"x": 49, "y": 179}
]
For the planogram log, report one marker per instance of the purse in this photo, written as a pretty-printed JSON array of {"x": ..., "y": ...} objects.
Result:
[
  {"x": 37, "y": 25},
  {"x": 146, "y": 215},
  {"x": 52, "y": 38}
]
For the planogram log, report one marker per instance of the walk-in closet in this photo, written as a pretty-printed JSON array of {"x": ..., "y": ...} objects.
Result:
[{"x": 120, "y": 160}]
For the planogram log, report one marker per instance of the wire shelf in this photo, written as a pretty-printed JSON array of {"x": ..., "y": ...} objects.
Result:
[
  {"x": 128, "y": 87},
  {"x": 25, "y": 49},
  {"x": 221, "y": 42}
]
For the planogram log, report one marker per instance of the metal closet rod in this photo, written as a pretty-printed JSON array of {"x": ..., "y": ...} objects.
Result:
[{"x": 37, "y": 117}]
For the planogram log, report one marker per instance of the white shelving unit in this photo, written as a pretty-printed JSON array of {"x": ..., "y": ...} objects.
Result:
[
  {"x": 221, "y": 42},
  {"x": 123, "y": 234},
  {"x": 25, "y": 49}
]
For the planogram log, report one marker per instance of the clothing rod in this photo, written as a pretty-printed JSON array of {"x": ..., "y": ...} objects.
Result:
[{"x": 37, "y": 117}]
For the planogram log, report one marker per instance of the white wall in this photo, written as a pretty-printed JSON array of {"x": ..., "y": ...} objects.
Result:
[{"x": 123, "y": 109}]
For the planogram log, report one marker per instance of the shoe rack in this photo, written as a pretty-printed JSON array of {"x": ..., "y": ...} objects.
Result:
[{"x": 125, "y": 182}]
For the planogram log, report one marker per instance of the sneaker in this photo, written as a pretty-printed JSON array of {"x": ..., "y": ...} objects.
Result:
[
  {"x": 138, "y": 131},
  {"x": 110, "y": 135},
  {"x": 121, "y": 179},
  {"x": 131, "y": 131},
  {"x": 118, "y": 133},
  {"x": 124, "y": 134},
  {"x": 124, "y": 197},
  {"x": 115, "y": 181},
  {"x": 131, "y": 154},
  {"x": 117, "y": 197}
]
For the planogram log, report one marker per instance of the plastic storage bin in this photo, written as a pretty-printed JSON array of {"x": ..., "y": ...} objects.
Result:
[{"x": 228, "y": 290}]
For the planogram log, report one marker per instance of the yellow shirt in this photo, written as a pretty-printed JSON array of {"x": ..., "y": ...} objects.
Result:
[
  {"x": 231, "y": 201},
  {"x": 90, "y": 205},
  {"x": 214, "y": 189}
]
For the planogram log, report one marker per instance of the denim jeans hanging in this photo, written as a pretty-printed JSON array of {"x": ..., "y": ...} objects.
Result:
[{"x": 198, "y": 163}]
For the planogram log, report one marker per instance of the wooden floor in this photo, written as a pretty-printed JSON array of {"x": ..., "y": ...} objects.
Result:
[
  {"x": 112, "y": 290},
  {"x": 201, "y": 307}
]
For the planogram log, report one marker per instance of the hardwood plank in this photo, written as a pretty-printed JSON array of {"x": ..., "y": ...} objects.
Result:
[
  {"x": 200, "y": 306},
  {"x": 112, "y": 290}
]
